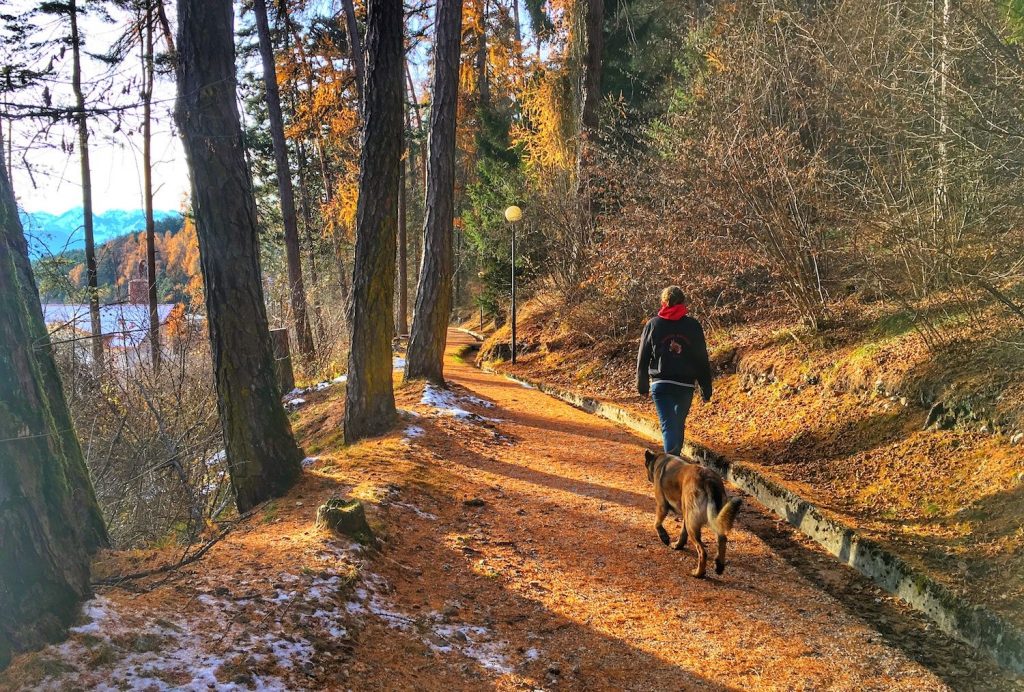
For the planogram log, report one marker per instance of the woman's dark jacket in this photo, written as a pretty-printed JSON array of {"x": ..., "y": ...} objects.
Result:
[{"x": 673, "y": 350}]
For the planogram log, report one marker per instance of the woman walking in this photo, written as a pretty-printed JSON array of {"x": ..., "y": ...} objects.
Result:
[{"x": 673, "y": 361}]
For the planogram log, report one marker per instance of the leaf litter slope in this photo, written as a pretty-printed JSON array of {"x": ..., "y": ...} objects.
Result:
[{"x": 518, "y": 554}]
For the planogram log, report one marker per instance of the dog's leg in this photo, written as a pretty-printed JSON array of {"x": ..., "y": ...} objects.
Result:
[
  {"x": 720, "y": 555},
  {"x": 681, "y": 543},
  {"x": 660, "y": 519},
  {"x": 702, "y": 554}
]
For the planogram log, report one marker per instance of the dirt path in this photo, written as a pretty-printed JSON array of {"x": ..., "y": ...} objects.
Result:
[{"x": 540, "y": 534}]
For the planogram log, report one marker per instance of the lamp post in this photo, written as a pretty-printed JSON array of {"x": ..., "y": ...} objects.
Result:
[{"x": 513, "y": 214}]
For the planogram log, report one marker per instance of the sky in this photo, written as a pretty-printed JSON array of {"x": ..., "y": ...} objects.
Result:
[
  {"x": 46, "y": 175},
  {"x": 45, "y": 161}
]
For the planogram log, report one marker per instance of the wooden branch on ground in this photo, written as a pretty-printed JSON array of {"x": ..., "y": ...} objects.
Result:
[{"x": 119, "y": 579}]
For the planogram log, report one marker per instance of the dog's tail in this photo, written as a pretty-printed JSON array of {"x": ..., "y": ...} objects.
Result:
[{"x": 721, "y": 519}]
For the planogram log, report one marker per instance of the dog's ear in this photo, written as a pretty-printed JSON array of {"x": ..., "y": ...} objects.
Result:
[{"x": 649, "y": 456}]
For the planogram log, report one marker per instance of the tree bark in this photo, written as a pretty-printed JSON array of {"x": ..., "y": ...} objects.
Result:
[
  {"x": 370, "y": 400},
  {"x": 147, "y": 187},
  {"x": 434, "y": 292},
  {"x": 296, "y": 286},
  {"x": 307, "y": 225},
  {"x": 419, "y": 121},
  {"x": 403, "y": 256},
  {"x": 483, "y": 84},
  {"x": 262, "y": 456},
  {"x": 355, "y": 47},
  {"x": 83, "y": 157},
  {"x": 592, "y": 62},
  {"x": 50, "y": 524}
]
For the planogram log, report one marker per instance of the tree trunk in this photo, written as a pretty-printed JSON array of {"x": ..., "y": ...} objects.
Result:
[
  {"x": 370, "y": 400},
  {"x": 307, "y": 225},
  {"x": 83, "y": 157},
  {"x": 592, "y": 62},
  {"x": 293, "y": 254},
  {"x": 317, "y": 322},
  {"x": 263, "y": 459},
  {"x": 50, "y": 524},
  {"x": 356, "y": 47},
  {"x": 419, "y": 120},
  {"x": 518, "y": 32},
  {"x": 434, "y": 292},
  {"x": 147, "y": 187},
  {"x": 483, "y": 84},
  {"x": 403, "y": 257},
  {"x": 165, "y": 26}
]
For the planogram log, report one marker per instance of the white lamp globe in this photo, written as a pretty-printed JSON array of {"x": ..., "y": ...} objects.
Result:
[{"x": 513, "y": 214}]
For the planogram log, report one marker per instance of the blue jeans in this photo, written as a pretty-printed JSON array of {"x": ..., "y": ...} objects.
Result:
[{"x": 673, "y": 404}]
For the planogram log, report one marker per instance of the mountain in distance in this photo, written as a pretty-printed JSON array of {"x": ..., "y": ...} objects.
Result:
[{"x": 51, "y": 234}]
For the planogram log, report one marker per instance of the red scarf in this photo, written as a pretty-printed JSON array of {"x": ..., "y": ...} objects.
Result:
[{"x": 672, "y": 312}]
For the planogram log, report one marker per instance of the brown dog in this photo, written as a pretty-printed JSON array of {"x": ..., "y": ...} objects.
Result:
[{"x": 697, "y": 494}]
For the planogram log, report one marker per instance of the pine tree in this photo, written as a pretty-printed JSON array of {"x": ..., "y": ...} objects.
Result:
[
  {"x": 370, "y": 400},
  {"x": 263, "y": 459},
  {"x": 434, "y": 292},
  {"x": 296, "y": 285}
]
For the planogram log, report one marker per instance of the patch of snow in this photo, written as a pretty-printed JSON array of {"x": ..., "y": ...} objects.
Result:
[
  {"x": 525, "y": 385},
  {"x": 477, "y": 401},
  {"x": 217, "y": 458},
  {"x": 447, "y": 403},
  {"x": 444, "y": 401},
  {"x": 295, "y": 392},
  {"x": 398, "y": 363},
  {"x": 288, "y": 652},
  {"x": 531, "y": 654},
  {"x": 339, "y": 379},
  {"x": 472, "y": 641},
  {"x": 179, "y": 650},
  {"x": 413, "y": 431},
  {"x": 294, "y": 403},
  {"x": 321, "y": 386},
  {"x": 309, "y": 461},
  {"x": 415, "y": 510},
  {"x": 99, "y": 613}
]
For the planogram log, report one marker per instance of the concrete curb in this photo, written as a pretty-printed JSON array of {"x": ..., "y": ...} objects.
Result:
[
  {"x": 476, "y": 335},
  {"x": 969, "y": 623}
]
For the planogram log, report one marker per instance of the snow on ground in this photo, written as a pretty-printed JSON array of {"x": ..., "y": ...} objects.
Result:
[
  {"x": 414, "y": 509},
  {"x": 309, "y": 461},
  {"x": 413, "y": 431},
  {"x": 472, "y": 641},
  {"x": 252, "y": 639},
  {"x": 292, "y": 399},
  {"x": 446, "y": 403}
]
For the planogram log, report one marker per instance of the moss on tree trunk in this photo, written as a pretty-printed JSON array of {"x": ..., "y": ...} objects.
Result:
[{"x": 50, "y": 524}]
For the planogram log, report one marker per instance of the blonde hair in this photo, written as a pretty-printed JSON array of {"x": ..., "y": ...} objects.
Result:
[{"x": 673, "y": 295}]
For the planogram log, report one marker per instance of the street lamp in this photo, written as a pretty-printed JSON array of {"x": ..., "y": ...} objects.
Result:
[{"x": 513, "y": 214}]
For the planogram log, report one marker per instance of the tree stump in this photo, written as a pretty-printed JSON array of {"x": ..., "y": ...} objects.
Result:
[{"x": 345, "y": 517}]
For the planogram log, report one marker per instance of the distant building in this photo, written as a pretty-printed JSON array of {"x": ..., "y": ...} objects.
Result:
[{"x": 124, "y": 325}]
